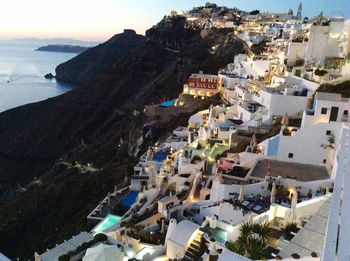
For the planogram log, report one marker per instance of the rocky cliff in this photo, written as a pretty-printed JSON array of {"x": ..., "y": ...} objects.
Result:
[
  {"x": 44, "y": 201},
  {"x": 90, "y": 64}
]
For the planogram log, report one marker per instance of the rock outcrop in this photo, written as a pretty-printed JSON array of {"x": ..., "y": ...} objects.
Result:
[{"x": 89, "y": 65}]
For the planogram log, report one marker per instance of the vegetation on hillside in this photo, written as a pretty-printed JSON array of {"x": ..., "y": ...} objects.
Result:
[{"x": 341, "y": 87}]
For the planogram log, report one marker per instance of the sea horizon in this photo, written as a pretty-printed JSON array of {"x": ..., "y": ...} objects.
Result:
[{"x": 22, "y": 71}]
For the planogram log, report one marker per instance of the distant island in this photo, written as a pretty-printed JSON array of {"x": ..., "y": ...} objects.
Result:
[{"x": 62, "y": 48}]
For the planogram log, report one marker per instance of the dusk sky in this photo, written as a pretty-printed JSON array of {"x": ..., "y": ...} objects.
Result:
[{"x": 99, "y": 20}]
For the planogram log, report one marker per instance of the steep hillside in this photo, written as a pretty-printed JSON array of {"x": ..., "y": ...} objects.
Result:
[
  {"x": 94, "y": 123},
  {"x": 90, "y": 64}
]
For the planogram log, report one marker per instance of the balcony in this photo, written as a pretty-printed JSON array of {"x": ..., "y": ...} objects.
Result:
[{"x": 251, "y": 107}]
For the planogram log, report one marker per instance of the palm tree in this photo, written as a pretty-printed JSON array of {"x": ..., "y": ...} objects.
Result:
[
  {"x": 262, "y": 229},
  {"x": 237, "y": 247},
  {"x": 252, "y": 240},
  {"x": 246, "y": 229},
  {"x": 256, "y": 249}
]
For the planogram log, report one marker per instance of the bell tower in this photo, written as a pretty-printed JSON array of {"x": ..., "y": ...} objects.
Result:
[{"x": 300, "y": 9}]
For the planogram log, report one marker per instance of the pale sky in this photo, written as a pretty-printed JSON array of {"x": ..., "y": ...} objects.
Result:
[{"x": 99, "y": 20}]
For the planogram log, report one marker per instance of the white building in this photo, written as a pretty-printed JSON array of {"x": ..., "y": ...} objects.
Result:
[
  {"x": 328, "y": 107},
  {"x": 311, "y": 143},
  {"x": 269, "y": 102},
  {"x": 296, "y": 51},
  {"x": 327, "y": 41},
  {"x": 180, "y": 237}
]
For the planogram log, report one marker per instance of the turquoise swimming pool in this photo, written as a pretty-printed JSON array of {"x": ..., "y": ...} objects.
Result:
[
  {"x": 108, "y": 222},
  {"x": 168, "y": 103}
]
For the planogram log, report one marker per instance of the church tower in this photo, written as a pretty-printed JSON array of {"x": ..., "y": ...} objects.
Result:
[{"x": 300, "y": 9}]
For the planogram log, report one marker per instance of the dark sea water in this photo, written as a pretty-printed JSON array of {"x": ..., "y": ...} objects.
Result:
[{"x": 22, "y": 73}]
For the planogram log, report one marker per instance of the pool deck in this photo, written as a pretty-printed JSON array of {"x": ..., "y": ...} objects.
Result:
[{"x": 114, "y": 200}]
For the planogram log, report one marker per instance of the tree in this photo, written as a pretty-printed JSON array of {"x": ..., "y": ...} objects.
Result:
[
  {"x": 262, "y": 229},
  {"x": 252, "y": 240},
  {"x": 237, "y": 247},
  {"x": 100, "y": 237},
  {"x": 254, "y": 12},
  {"x": 256, "y": 249},
  {"x": 287, "y": 231}
]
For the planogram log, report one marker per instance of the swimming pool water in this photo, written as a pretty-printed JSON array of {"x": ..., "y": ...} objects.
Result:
[
  {"x": 168, "y": 103},
  {"x": 130, "y": 199},
  {"x": 160, "y": 156},
  {"x": 108, "y": 222}
]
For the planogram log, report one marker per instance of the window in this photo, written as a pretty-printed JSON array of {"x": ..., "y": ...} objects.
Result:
[
  {"x": 324, "y": 161},
  {"x": 346, "y": 112},
  {"x": 290, "y": 155},
  {"x": 328, "y": 132},
  {"x": 324, "y": 111}
]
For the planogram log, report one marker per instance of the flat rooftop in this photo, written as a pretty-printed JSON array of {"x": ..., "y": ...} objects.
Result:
[
  {"x": 297, "y": 171},
  {"x": 66, "y": 246},
  {"x": 309, "y": 238},
  {"x": 326, "y": 96}
]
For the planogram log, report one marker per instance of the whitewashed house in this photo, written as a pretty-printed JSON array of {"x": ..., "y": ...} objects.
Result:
[{"x": 318, "y": 136}]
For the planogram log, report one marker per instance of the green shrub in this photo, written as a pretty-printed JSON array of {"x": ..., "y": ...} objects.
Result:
[
  {"x": 100, "y": 237},
  {"x": 287, "y": 231},
  {"x": 65, "y": 257},
  {"x": 196, "y": 159},
  {"x": 320, "y": 72},
  {"x": 295, "y": 256}
]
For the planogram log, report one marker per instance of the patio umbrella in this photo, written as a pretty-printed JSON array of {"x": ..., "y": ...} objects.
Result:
[
  {"x": 103, "y": 252},
  {"x": 100, "y": 207},
  {"x": 273, "y": 193},
  {"x": 327, "y": 190},
  {"x": 189, "y": 140},
  {"x": 238, "y": 158},
  {"x": 253, "y": 142},
  {"x": 162, "y": 228},
  {"x": 241, "y": 194},
  {"x": 293, "y": 207},
  {"x": 109, "y": 198},
  {"x": 285, "y": 120},
  {"x": 202, "y": 133}
]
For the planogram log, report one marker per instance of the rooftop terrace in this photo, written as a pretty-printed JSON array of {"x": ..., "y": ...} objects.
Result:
[
  {"x": 310, "y": 238},
  {"x": 301, "y": 172}
]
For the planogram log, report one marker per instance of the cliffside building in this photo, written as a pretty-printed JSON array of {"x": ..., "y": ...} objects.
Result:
[{"x": 204, "y": 85}]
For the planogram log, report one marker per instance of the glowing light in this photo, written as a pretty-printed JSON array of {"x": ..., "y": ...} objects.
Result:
[{"x": 230, "y": 229}]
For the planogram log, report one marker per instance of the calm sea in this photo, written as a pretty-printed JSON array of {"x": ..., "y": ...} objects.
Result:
[{"x": 22, "y": 73}]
